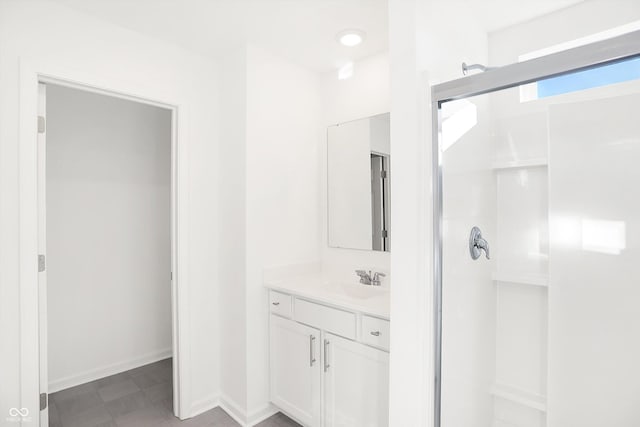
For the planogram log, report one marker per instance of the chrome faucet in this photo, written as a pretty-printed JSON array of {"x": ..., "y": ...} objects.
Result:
[{"x": 366, "y": 278}]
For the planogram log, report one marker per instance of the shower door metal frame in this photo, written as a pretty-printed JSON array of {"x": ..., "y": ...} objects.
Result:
[{"x": 604, "y": 52}]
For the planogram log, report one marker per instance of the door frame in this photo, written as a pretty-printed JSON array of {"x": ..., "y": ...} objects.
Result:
[
  {"x": 594, "y": 54},
  {"x": 31, "y": 75}
]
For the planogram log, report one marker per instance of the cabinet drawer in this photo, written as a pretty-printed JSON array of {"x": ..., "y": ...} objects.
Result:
[
  {"x": 375, "y": 332},
  {"x": 329, "y": 319},
  {"x": 280, "y": 304}
]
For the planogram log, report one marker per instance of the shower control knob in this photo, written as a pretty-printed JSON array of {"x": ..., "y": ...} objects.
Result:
[{"x": 477, "y": 244}]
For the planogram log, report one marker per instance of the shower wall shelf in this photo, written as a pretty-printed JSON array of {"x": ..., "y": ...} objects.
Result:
[
  {"x": 522, "y": 397},
  {"x": 520, "y": 164},
  {"x": 521, "y": 280}
]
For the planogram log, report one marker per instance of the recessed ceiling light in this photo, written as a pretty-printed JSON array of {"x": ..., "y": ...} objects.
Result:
[{"x": 350, "y": 38}]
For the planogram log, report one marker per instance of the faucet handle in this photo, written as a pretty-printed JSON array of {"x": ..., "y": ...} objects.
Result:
[
  {"x": 365, "y": 277},
  {"x": 377, "y": 278}
]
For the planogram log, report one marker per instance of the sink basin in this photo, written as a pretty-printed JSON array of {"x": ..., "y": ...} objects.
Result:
[{"x": 356, "y": 291}]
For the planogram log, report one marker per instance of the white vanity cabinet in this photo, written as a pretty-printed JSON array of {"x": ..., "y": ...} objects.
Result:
[
  {"x": 296, "y": 369},
  {"x": 356, "y": 384},
  {"x": 327, "y": 369}
]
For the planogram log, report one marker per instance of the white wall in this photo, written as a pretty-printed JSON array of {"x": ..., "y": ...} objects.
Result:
[
  {"x": 108, "y": 235},
  {"x": 425, "y": 47},
  {"x": 232, "y": 224},
  {"x": 593, "y": 273},
  {"x": 44, "y": 33},
  {"x": 587, "y": 18},
  {"x": 272, "y": 125},
  {"x": 282, "y": 191},
  {"x": 366, "y": 93},
  {"x": 381, "y": 134}
]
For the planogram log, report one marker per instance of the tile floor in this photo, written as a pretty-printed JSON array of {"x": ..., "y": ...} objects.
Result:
[{"x": 141, "y": 397}]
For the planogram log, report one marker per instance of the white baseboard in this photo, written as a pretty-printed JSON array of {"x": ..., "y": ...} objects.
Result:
[
  {"x": 246, "y": 419},
  {"x": 203, "y": 405},
  {"x": 105, "y": 371},
  {"x": 261, "y": 414},
  {"x": 234, "y": 410}
]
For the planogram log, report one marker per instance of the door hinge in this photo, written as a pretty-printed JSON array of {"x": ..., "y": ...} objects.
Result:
[
  {"x": 43, "y": 401},
  {"x": 42, "y": 124},
  {"x": 41, "y": 263},
  {"x": 383, "y": 174},
  {"x": 385, "y": 234}
]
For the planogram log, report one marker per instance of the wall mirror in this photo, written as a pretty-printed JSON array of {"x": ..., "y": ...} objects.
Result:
[{"x": 358, "y": 159}]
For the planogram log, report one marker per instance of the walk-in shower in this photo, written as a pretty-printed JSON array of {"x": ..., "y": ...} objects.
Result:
[{"x": 541, "y": 156}]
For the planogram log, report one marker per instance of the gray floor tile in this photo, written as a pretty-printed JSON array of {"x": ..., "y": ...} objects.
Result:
[
  {"x": 231, "y": 423},
  {"x": 144, "y": 368},
  {"x": 159, "y": 392},
  {"x": 112, "y": 379},
  {"x": 167, "y": 405},
  {"x": 288, "y": 422},
  {"x": 118, "y": 390},
  {"x": 54, "y": 416},
  {"x": 73, "y": 392},
  {"x": 141, "y": 397},
  {"x": 279, "y": 420},
  {"x": 161, "y": 374},
  {"x": 144, "y": 380},
  {"x": 166, "y": 363},
  {"x": 93, "y": 417},
  {"x": 150, "y": 416},
  {"x": 219, "y": 415},
  {"x": 213, "y": 418},
  {"x": 191, "y": 422},
  {"x": 154, "y": 373},
  {"x": 127, "y": 404},
  {"x": 70, "y": 407},
  {"x": 284, "y": 421},
  {"x": 267, "y": 423}
]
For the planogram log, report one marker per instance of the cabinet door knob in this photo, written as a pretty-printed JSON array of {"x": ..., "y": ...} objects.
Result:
[
  {"x": 375, "y": 333},
  {"x": 275, "y": 303}
]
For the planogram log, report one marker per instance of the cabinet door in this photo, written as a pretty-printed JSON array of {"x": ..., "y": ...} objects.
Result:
[
  {"x": 356, "y": 384},
  {"x": 296, "y": 369}
]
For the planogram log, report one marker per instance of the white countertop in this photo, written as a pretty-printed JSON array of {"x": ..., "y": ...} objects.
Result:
[{"x": 366, "y": 299}]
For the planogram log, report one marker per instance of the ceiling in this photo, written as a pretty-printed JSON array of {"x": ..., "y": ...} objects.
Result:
[{"x": 302, "y": 31}]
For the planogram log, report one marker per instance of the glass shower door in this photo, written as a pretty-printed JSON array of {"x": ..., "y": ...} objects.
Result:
[{"x": 539, "y": 242}]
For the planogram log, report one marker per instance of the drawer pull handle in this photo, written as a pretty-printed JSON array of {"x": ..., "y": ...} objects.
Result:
[
  {"x": 375, "y": 333},
  {"x": 275, "y": 303}
]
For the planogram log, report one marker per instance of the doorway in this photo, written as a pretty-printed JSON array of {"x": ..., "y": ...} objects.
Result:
[{"x": 106, "y": 249}]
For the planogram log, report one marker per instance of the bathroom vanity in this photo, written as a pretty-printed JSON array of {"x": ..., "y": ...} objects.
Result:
[
  {"x": 329, "y": 352},
  {"x": 329, "y": 339}
]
